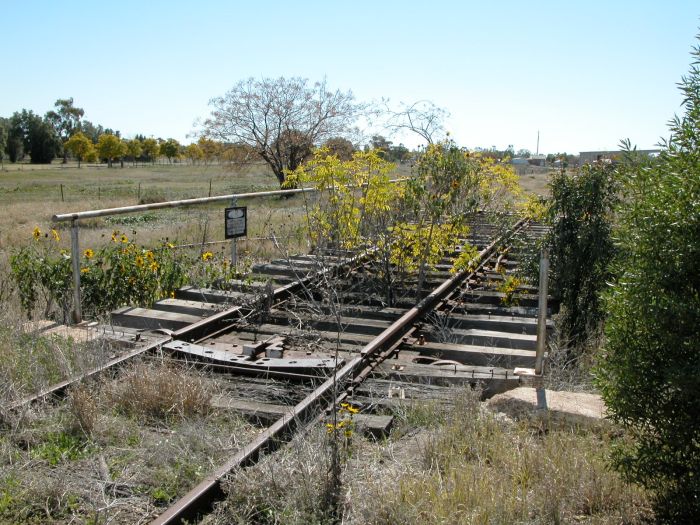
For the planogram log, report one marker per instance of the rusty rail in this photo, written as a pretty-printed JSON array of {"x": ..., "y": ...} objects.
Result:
[{"x": 200, "y": 499}]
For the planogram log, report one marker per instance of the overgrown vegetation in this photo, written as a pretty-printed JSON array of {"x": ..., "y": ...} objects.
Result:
[
  {"x": 447, "y": 465},
  {"x": 120, "y": 272},
  {"x": 649, "y": 369},
  {"x": 581, "y": 248}
]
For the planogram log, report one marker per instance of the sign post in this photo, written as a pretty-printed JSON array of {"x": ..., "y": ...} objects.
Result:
[{"x": 236, "y": 225}]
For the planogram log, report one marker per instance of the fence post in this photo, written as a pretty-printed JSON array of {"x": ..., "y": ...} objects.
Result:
[
  {"x": 542, "y": 312},
  {"x": 75, "y": 260},
  {"x": 234, "y": 246}
]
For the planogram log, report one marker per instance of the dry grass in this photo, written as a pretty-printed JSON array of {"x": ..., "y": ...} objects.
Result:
[
  {"x": 154, "y": 392},
  {"x": 473, "y": 468},
  {"x": 127, "y": 467}
]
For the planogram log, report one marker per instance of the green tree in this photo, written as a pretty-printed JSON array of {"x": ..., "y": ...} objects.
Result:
[
  {"x": 134, "y": 148},
  {"x": 80, "y": 147},
  {"x": 110, "y": 147},
  {"x": 91, "y": 130},
  {"x": 30, "y": 133},
  {"x": 194, "y": 153},
  {"x": 151, "y": 149},
  {"x": 649, "y": 372},
  {"x": 170, "y": 149},
  {"x": 65, "y": 120},
  {"x": 4, "y": 125},
  {"x": 211, "y": 149},
  {"x": 581, "y": 247},
  {"x": 15, "y": 138}
]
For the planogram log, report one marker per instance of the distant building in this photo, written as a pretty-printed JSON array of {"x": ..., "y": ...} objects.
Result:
[
  {"x": 588, "y": 157},
  {"x": 519, "y": 161},
  {"x": 537, "y": 160}
]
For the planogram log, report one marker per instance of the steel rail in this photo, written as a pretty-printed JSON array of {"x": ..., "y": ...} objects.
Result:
[
  {"x": 199, "y": 500},
  {"x": 218, "y": 323}
]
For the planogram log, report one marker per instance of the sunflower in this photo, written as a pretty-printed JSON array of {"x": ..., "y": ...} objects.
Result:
[
  {"x": 207, "y": 256},
  {"x": 36, "y": 233},
  {"x": 89, "y": 254}
]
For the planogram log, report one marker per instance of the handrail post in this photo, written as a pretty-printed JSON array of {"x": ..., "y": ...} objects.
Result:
[
  {"x": 542, "y": 312},
  {"x": 77, "y": 313},
  {"x": 234, "y": 241}
]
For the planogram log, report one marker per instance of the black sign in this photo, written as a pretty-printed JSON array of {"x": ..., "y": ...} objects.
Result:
[{"x": 236, "y": 222}]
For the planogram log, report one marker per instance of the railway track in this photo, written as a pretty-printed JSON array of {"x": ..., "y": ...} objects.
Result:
[{"x": 342, "y": 344}]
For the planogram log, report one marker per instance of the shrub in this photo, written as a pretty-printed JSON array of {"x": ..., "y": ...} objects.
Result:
[
  {"x": 581, "y": 247},
  {"x": 117, "y": 274},
  {"x": 650, "y": 368}
]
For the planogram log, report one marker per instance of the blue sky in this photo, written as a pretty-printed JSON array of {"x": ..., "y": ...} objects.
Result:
[{"x": 585, "y": 74}]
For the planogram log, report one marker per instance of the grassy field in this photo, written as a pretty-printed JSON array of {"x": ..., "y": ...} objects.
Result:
[{"x": 458, "y": 464}]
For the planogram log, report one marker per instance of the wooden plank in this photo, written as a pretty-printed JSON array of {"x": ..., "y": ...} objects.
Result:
[
  {"x": 475, "y": 355},
  {"x": 209, "y": 295},
  {"x": 184, "y": 306},
  {"x": 149, "y": 319}
]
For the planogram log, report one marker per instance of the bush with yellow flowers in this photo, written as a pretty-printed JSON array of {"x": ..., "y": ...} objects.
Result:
[{"x": 120, "y": 273}]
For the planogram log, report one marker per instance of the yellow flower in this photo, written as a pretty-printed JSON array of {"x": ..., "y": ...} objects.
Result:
[
  {"x": 89, "y": 254},
  {"x": 55, "y": 235},
  {"x": 85, "y": 270},
  {"x": 139, "y": 261},
  {"x": 115, "y": 234},
  {"x": 150, "y": 256},
  {"x": 206, "y": 256},
  {"x": 153, "y": 266},
  {"x": 170, "y": 245},
  {"x": 36, "y": 233},
  {"x": 124, "y": 239},
  {"x": 172, "y": 295}
]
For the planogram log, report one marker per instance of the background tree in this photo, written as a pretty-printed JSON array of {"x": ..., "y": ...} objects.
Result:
[
  {"x": 134, "y": 148},
  {"x": 37, "y": 137},
  {"x": 170, "y": 149},
  {"x": 340, "y": 147},
  {"x": 650, "y": 368},
  {"x": 151, "y": 149},
  {"x": 422, "y": 117},
  {"x": 110, "y": 147},
  {"x": 211, "y": 149},
  {"x": 3, "y": 140},
  {"x": 80, "y": 147},
  {"x": 65, "y": 120},
  {"x": 194, "y": 153},
  {"x": 15, "y": 138},
  {"x": 281, "y": 118},
  {"x": 91, "y": 130}
]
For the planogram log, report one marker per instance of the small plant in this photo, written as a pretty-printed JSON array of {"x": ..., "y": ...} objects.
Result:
[
  {"x": 508, "y": 287},
  {"x": 62, "y": 446},
  {"x": 160, "y": 392}
]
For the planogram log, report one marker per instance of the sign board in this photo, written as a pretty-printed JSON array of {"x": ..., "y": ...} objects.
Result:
[{"x": 236, "y": 222}]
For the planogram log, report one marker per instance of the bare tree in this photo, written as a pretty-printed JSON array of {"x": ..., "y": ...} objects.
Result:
[
  {"x": 281, "y": 119},
  {"x": 421, "y": 117}
]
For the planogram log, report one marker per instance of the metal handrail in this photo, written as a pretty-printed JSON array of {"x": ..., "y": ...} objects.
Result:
[{"x": 74, "y": 217}]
